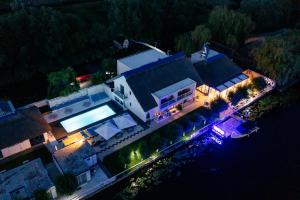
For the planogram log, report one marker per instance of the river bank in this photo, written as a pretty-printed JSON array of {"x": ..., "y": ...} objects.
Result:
[{"x": 259, "y": 167}]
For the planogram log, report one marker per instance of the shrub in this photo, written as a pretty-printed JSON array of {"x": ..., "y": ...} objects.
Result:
[
  {"x": 66, "y": 184},
  {"x": 179, "y": 107},
  {"x": 241, "y": 93},
  {"x": 41, "y": 194},
  {"x": 259, "y": 83},
  {"x": 219, "y": 105}
]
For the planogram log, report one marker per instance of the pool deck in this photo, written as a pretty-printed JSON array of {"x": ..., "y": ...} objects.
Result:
[{"x": 72, "y": 109}]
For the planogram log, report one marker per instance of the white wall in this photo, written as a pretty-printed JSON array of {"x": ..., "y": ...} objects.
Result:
[
  {"x": 52, "y": 192},
  {"x": 135, "y": 107},
  {"x": 8, "y": 151}
]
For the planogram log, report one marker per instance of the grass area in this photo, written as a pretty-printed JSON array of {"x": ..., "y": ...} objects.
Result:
[
  {"x": 161, "y": 138},
  {"x": 42, "y": 153}
]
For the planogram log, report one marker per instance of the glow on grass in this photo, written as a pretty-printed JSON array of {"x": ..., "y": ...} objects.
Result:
[
  {"x": 135, "y": 157},
  {"x": 87, "y": 118}
]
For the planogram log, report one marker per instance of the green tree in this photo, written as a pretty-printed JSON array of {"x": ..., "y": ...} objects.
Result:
[
  {"x": 259, "y": 83},
  {"x": 62, "y": 83},
  {"x": 268, "y": 14},
  {"x": 66, "y": 184},
  {"x": 184, "y": 43},
  {"x": 97, "y": 78},
  {"x": 200, "y": 35},
  {"x": 229, "y": 27},
  {"x": 276, "y": 58},
  {"x": 41, "y": 194}
]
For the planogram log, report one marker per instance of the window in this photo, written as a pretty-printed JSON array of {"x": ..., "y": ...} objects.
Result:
[
  {"x": 148, "y": 116},
  {"x": 81, "y": 179},
  {"x": 129, "y": 92},
  {"x": 122, "y": 89},
  {"x": 130, "y": 103}
]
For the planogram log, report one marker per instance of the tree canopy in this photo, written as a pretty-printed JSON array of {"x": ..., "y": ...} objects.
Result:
[
  {"x": 268, "y": 14},
  {"x": 62, "y": 83},
  {"x": 229, "y": 27},
  {"x": 66, "y": 184},
  {"x": 277, "y": 59}
]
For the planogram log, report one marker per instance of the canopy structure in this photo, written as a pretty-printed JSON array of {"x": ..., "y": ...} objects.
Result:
[
  {"x": 124, "y": 121},
  {"x": 107, "y": 130}
]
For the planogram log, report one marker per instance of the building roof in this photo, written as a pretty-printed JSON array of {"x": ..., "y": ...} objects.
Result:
[
  {"x": 217, "y": 70},
  {"x": 25, "y": 178},
  {"x": 155, "y": 76},
  {"x": 27, "y": 123},
  {"x": 71, "y": 159},
  {"x": 143, "y": 58},
  {"x": 173, "y": 88}
]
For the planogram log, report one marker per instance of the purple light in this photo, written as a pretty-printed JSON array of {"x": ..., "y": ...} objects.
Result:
[
  {"x": 218, "y": 131},
  {"x": 218, "y": 141}
]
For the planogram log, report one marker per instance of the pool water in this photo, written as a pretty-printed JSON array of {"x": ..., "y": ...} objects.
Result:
[{"x": 87, "y": 118}]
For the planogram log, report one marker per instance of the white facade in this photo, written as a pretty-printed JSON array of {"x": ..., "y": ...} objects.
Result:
[{"x": 127, "y": 99}]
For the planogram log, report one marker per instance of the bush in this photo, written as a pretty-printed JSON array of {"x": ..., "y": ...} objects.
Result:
[
  {"x": 41, "y": 194},
  {"x": 219, "y": 105},
  {"x": 259, "y": 83},
  {"x": 179, "y": 107},
  {"x": 66, "y": 184},
  {"x": 241, "y": 93}
]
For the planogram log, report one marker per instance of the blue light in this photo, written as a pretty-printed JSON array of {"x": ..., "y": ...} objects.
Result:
[
  {"x": 218, "y": 131},
  {"x": 217, "y": 140},
  {"x": 87, "y": 118}
]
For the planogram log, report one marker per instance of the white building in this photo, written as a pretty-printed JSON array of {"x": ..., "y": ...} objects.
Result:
[
  {"x": 151, "y": 90},
  {"x": 79, "y": 159},
  {"x": 21, "y": 130},
  {"x": 150, "y": 84}
]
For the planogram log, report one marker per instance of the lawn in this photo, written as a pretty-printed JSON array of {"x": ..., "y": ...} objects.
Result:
[
  {"x": 161, "y": 138},
  {"x": 42, "y": 152}
]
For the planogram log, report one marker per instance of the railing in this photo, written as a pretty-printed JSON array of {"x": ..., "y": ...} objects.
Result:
[
  {"x": 184, "y": 95},
  {"x": 167, "y": 103},
  {"x": 120, "y": 95}
]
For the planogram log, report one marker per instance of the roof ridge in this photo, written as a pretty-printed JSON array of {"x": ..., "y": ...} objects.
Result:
[{"x": 152, "y": 65}]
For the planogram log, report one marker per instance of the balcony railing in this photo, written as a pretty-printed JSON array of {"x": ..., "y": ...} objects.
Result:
[
  {"x": 184, "y": 95},
  {"x": 120, "y": 95},
  {"x": 167, "y": 103}
]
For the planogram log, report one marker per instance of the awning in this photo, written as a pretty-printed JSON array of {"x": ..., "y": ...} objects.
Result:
[
  {"x": 107, "y": 130},
  {"x": 232, "y": 82},
  {"x": 124, "y": 121}
]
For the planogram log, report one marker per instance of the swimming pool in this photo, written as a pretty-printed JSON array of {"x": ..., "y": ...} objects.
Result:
[{"x": 87, "y": 118}]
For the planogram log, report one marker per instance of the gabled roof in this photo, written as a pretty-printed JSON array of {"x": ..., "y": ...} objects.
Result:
[
  {"x": 150, "y": 78},
  {"x": 217, "y": 70},
  {"x": 25, "y": 124},
  {"x": 143, "y": 58}
]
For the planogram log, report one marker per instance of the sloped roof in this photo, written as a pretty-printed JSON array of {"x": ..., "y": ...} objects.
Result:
[
  {"x": 71, "y": 158},
  {"x": 25, "y": 124},
  {"x": 142, "y": 58},
  {"x": 158, "y": 75},
  {"x": 217, "y": 70}
]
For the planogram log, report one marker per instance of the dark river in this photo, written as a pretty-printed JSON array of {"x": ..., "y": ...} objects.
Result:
[{"x": 264, "y": 166}]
